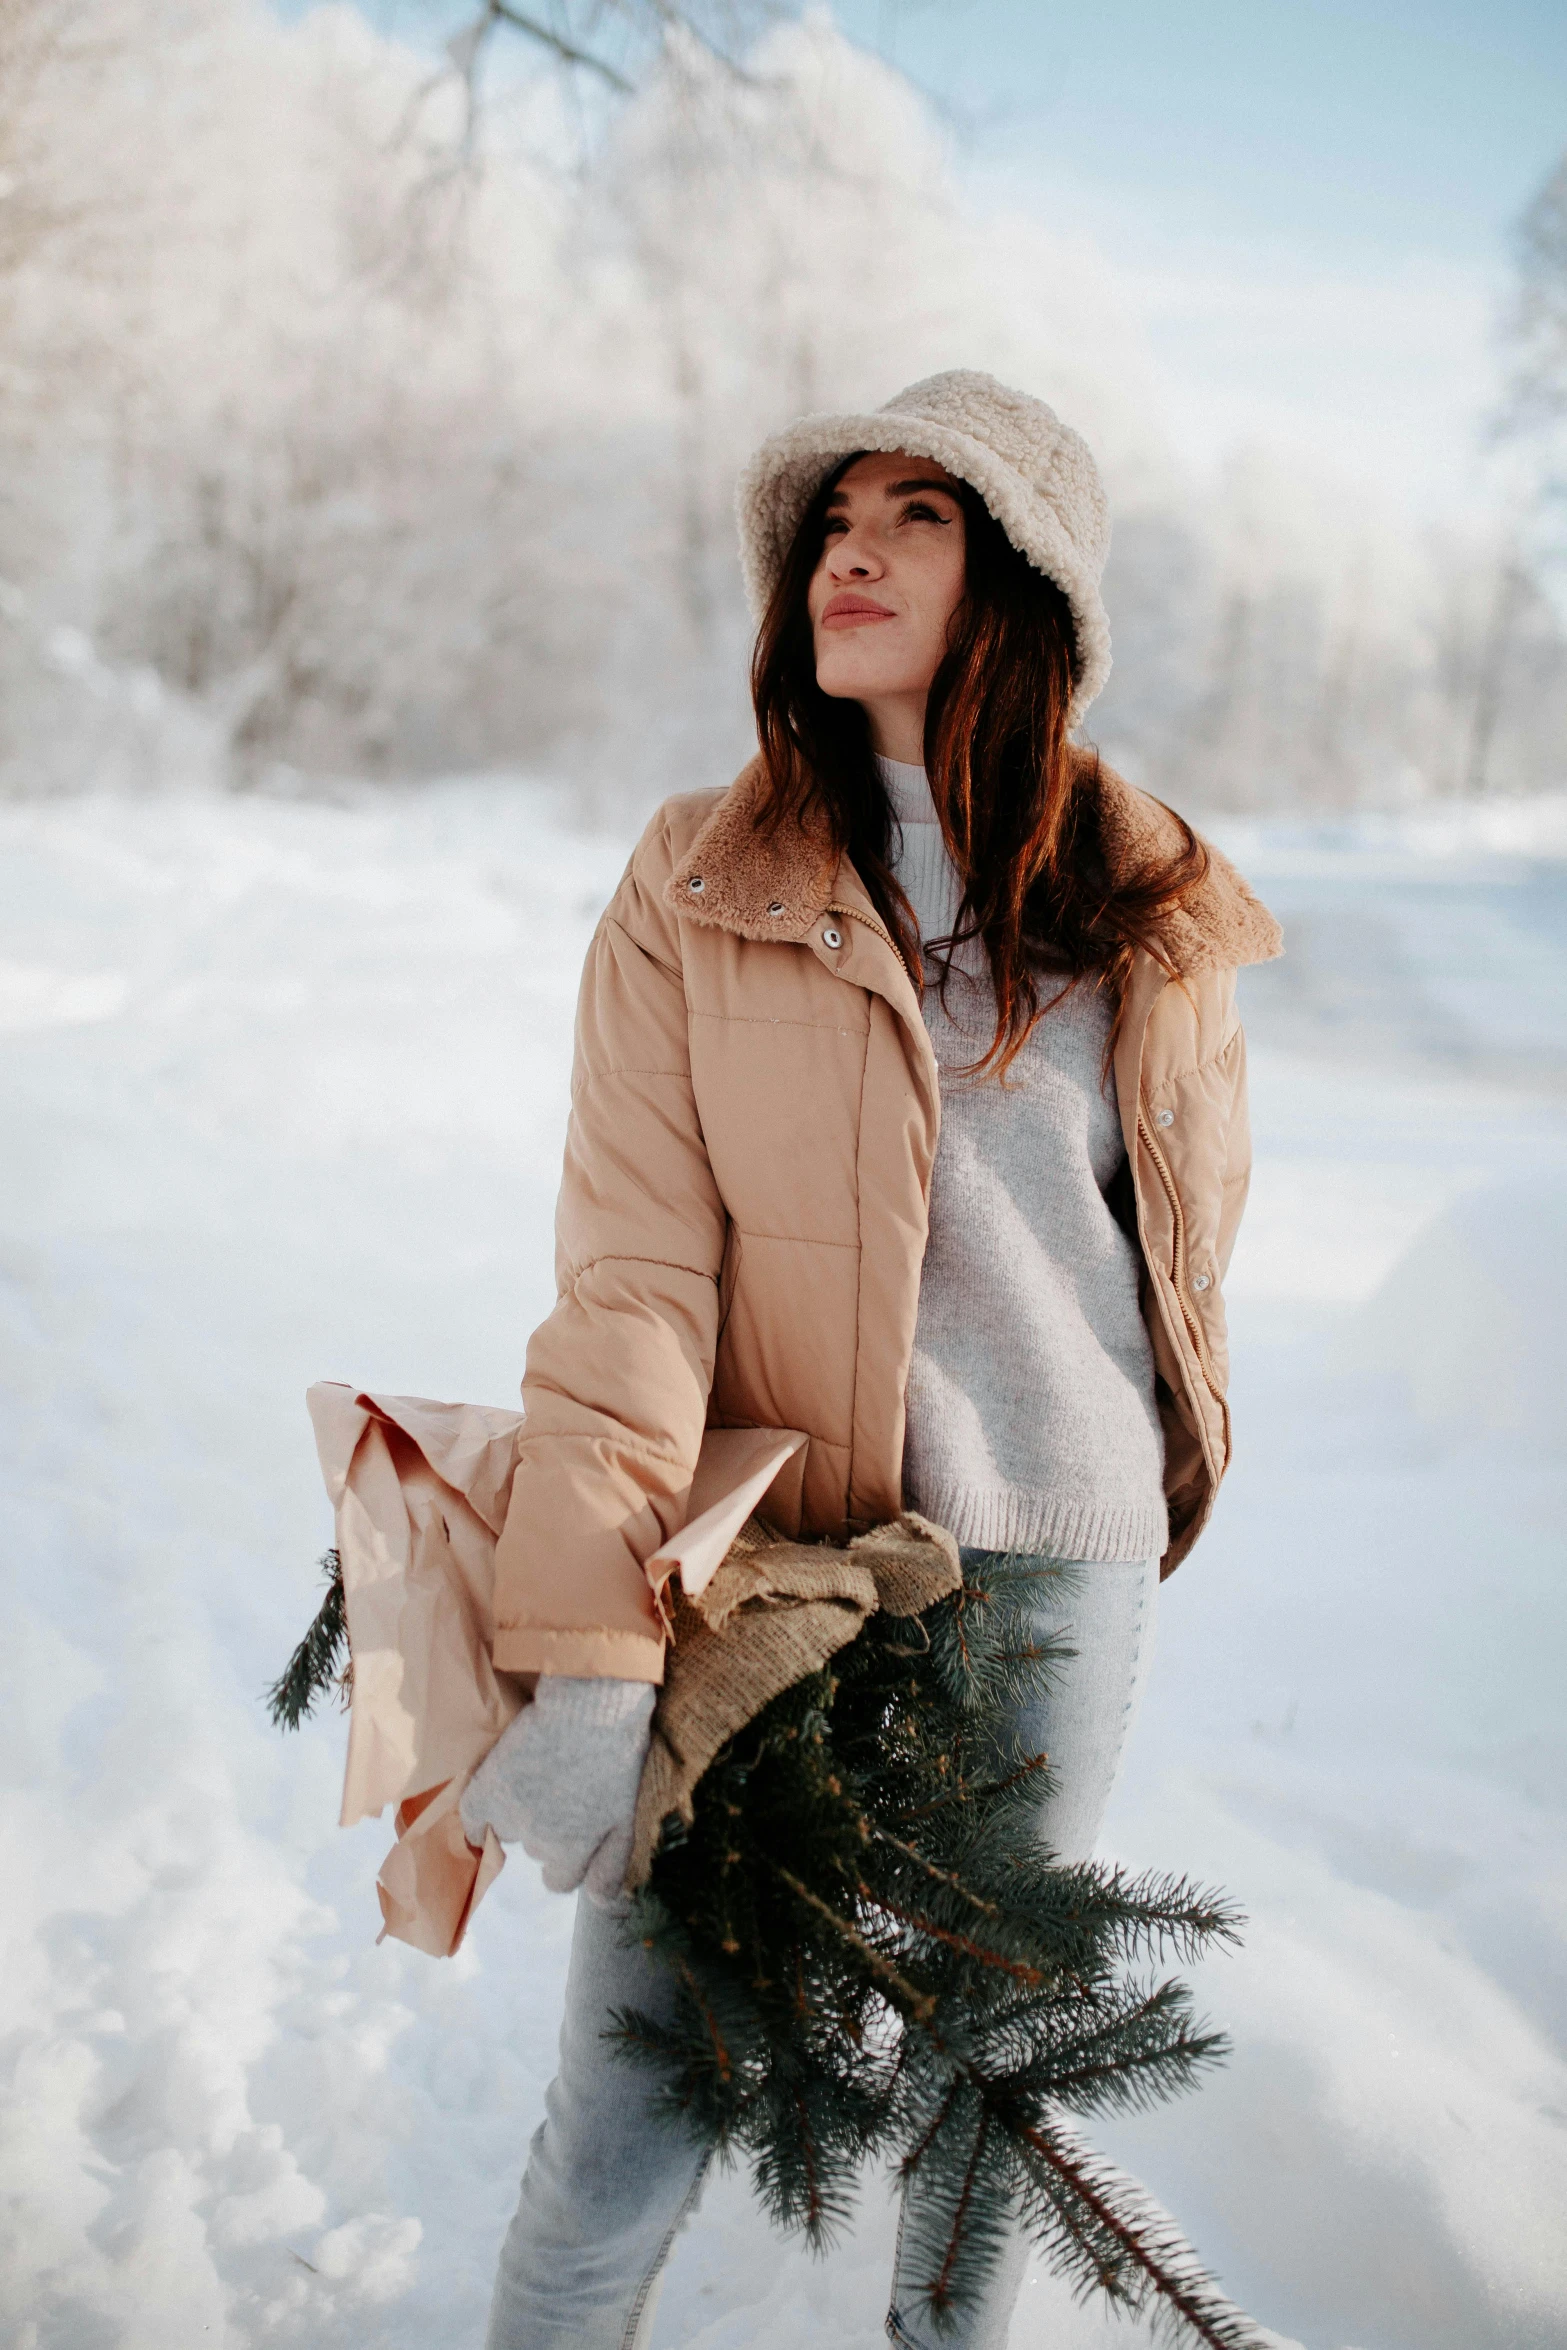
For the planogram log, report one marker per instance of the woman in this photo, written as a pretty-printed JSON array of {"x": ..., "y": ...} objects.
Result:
[{"x": 908, "y": 1114}]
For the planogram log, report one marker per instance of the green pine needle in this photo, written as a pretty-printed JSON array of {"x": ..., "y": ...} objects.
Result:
[
  {"x": 876, "y": 1960},
  {"x": 320, "y": 1660}
]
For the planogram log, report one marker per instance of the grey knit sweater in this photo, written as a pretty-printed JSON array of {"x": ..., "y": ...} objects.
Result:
[{"x": 1031, "y": 1418}]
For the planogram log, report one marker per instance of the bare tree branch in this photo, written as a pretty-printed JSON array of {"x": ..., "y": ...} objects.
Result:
[
  {"x": 1539, "y": 385},
  {"x": 502, "y": 12},
  {"x": 655, "y": 25}
]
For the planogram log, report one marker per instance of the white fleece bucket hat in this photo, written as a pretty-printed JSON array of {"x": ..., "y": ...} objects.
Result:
[{"x": 1034, "y": 473}]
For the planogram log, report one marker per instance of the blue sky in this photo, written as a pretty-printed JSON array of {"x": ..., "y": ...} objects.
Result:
[
  {"x": 1304, "y": 207},
  {"x": 1343, "y": 132}
]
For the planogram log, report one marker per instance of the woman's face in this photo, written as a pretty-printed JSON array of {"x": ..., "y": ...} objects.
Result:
[{"x": 889, "y": 578}]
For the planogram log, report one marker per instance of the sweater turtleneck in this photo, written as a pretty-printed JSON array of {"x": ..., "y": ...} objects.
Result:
[
  {"x": 1031, "y": 1423},
  {"x": 926, "y": 874}
]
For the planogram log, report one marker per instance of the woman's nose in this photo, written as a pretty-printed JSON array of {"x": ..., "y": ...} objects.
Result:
[{"x": 854, "y": 558}]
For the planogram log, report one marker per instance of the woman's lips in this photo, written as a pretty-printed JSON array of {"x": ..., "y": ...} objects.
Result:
[{"x": 852, "y": 612}]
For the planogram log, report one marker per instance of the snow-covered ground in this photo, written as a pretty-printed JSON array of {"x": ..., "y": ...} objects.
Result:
[{"x": 284, "y": 1087}]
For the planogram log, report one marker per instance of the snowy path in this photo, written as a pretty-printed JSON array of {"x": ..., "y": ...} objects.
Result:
[{"x": 283, "y": 1092}]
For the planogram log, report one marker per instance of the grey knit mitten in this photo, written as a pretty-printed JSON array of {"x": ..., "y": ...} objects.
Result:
[{"x": 562, "y": 1781}]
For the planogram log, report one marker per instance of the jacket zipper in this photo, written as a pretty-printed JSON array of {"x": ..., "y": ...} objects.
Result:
[
  {"x": 872, "y": 922},
  {"x": 1188, "y": 1311}
]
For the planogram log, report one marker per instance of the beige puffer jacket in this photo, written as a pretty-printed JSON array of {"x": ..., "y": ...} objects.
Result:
[{"x": 742, "y": 1217}]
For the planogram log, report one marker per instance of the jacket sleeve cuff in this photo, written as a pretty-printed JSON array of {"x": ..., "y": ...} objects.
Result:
[{"x": 592, "y": 1654}]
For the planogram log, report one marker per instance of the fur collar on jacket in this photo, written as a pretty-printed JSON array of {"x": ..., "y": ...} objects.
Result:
[{"x": 735, "y": 878}]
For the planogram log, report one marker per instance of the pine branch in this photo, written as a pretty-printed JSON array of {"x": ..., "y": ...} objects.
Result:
[
  {"x": 1020, "y": 1968},
  {"x": 939, "y": 2294},
  {"x": 1147, "y": 2242},
  {"x": 1118, "y": 2081},
  {"x": 969, "y": 1791},
  {"x": 873, "y": 1955},
  {"x": 721, "y": 2056},
  {"x": 949, "y": 1877},
  {"x": 813, "y": 2212},
  {"x": 918, "y": 2003},
  {"x": 922, "y": 2146},
  {"x": 320, "y": 1659},
  {"x": 1174, "y": 1913}
]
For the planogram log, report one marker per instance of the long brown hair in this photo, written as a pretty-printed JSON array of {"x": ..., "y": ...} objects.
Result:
[{"x": 1017, "y": 804}]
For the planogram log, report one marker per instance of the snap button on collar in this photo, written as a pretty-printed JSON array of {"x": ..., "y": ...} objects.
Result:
[
  {"x": 776, "y": 908},
  {"x": 832, "y": 937},
  {"x": 696, "y": 885}
]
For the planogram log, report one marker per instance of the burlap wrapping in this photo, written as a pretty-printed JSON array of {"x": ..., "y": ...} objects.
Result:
[{"x": 774, "y": 1611}]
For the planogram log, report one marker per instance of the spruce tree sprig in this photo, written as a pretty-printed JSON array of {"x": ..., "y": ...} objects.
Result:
[
  {"x": 320, "y": 1660},
  {"x": 874, "y": 1958}
]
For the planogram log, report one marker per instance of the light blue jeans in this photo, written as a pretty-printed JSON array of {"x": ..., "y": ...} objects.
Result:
[{"x": 609, "y": 2182}]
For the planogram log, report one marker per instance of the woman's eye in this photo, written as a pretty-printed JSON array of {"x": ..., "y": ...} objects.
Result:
[{"x": 920, "y": 512}]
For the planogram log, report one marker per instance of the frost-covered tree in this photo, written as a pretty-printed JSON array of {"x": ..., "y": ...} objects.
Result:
[
  {"x": 345, "y": 430},
  {"x": 310, "y": 457},
  {"x": 1539, "y": 385}
]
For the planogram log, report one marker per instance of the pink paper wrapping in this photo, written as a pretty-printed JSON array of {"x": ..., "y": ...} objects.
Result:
[{"x": 420, "y": 1491}]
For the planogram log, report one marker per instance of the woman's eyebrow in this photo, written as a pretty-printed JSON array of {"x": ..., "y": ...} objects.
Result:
[{"x": 898, "y": 489}]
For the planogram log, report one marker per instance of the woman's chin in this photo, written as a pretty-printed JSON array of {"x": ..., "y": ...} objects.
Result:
[{"x": 858, "y": 681}]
